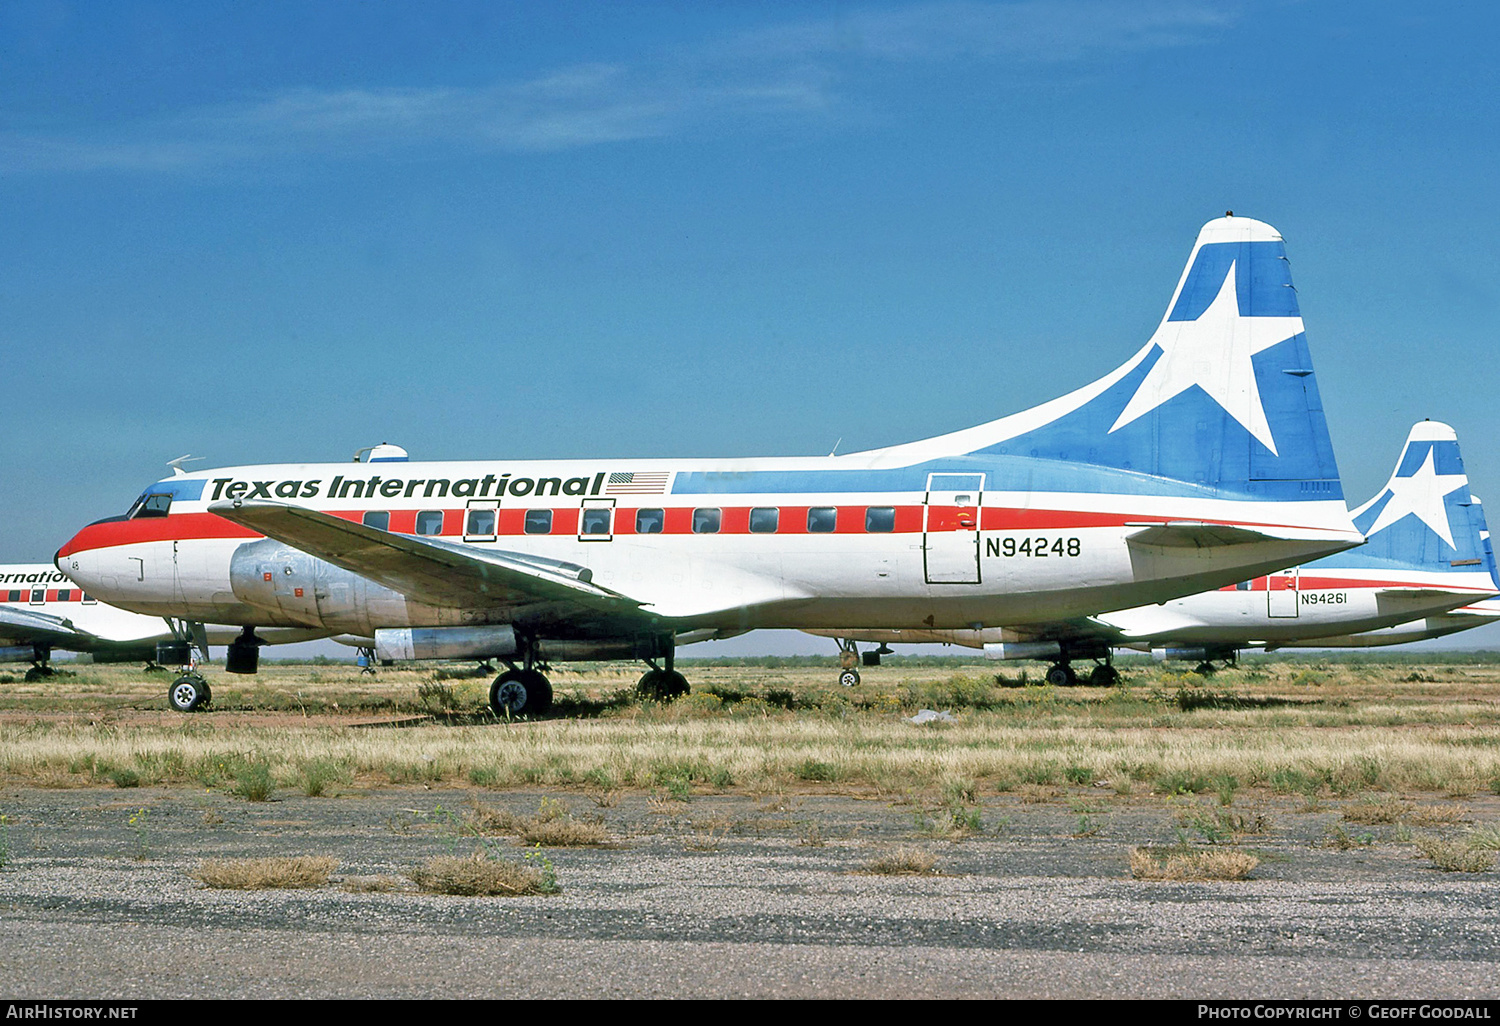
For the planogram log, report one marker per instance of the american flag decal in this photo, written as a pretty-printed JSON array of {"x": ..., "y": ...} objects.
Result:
[{"x": 653, "y": 482}]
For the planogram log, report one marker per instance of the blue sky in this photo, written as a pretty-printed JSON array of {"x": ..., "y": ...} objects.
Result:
[{"x": 271, "y": 232}]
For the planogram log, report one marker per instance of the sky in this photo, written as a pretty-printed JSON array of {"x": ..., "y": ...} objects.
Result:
[{"x": 273, "y": 232}]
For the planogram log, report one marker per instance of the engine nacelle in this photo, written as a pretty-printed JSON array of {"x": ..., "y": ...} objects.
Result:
[
  {"x": 17, "y": 654},
  {"x": 1023, "y": 650},
  {"x": 406, "y": 643},
  {"x": 296, "y": 589}
]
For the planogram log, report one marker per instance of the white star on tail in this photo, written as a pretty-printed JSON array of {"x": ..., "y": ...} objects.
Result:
[
  {"x": 1421, "y": 494},
  {"x": 1213, "y": 352}
]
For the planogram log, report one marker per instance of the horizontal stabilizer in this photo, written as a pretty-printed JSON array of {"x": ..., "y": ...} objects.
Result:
[
  {"x": 22, "y": 626},
  {"x": 1199, "y": 534},
  {"x": 1147, "y": 621}
]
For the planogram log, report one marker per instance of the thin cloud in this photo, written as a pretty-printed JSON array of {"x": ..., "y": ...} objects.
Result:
[{"x": 791, "y": 70}]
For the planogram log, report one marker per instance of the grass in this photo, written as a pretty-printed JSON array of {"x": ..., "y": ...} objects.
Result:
[
  {"x": 478, "y": 875},
  {"x": 1455, "y": 855},
  {"x": 553, "y": 825},
  {"x": 1365, "y": 730},
  {"x": 903, "y": 862},
  {"x": 301, "y": 871},
  {"x": 1180, "y": 862}
]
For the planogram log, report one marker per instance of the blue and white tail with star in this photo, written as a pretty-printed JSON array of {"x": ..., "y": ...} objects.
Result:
[{"x": 1221, "y": 401}]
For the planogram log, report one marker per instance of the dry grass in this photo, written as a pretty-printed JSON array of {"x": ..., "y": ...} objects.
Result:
[
  {"x": 903, "y": 862},
  {"x": 1456, "y": 855},
  {"x": 553, "y": 826},
  {"x": 1376, "y": 809},
  {"x": 1437, "y": 815},
  {"x": 1178, "y": 863},
  {"x": 479, "y": 876},
  {"x": 297, "y": 871},
  {"x": 382, "y": 884}
]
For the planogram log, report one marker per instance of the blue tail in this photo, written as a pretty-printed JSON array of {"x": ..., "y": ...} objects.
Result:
[
  {"x": 1424, "y": 516},
  {"x": 1223, "y": 395}
]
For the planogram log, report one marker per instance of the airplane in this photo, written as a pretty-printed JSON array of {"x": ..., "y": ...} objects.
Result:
[
  {"x": 41, "y": 609},
  {"x": 1439, "y": 625},
  {"x": 1202, "y": 460},
  {"x": 1426, "y": 552}
]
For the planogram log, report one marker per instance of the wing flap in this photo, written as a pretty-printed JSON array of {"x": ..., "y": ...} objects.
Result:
[{"x": 23, "y": 627}]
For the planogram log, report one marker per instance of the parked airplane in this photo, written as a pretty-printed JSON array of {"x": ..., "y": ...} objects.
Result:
[
  {"x": 1202, "y": 460},
  {"x": 1440, "y": 625},
  {"x": 41, "y": 609},
  {"x": 1427, "y": 552}
]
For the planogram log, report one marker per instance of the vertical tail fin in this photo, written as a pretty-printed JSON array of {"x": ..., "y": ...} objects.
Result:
[
  {"x": 1425, "y": 516},
  {"x": 1223, "y": 394}
]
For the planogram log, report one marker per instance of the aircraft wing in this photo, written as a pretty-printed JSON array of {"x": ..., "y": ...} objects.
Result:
[
  {"x": 24, "y": 627},
  {"x": 426, "y": 569}
]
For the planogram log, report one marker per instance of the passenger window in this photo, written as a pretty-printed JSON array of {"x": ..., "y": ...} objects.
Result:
[
  {"x": 763, "y": 519},
  {"x": 378, "y": 519},
  {"x": 538, "y": 521},
  {"x": 822, "y": 519},
  {"x": 38, "y": 597},
  {"x": 430, "y": 521},
  {"x": 14, "y": 596},
  {"x": 65, "y": 595},
  {"x": 649, "y": 521},
  {"x": 481, "y": 521},
  {"x": 880, "y": 519},
  {"x": 595, "y": 521},
  {"x": 706, "y": 521}
]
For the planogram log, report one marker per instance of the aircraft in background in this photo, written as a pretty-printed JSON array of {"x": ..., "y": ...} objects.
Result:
[
  {"x": 41, "y": 609},
  {"x": 1439, "y": 625},
  {"x": 1427, "y": 552},
  {"x": 1202, "y": 460}
]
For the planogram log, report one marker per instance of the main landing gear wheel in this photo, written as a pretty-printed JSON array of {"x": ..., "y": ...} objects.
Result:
[
  {"x": 1104, "y": 676},
  {"x": 662, "y": 685},
  {"x": 520, "y": 693},
  {"x": 849, "y": 678},
  {"x": 1061, "y": 675},
  {"x": 189, "y": 692},
  {"x": 1205, "y": 669}
]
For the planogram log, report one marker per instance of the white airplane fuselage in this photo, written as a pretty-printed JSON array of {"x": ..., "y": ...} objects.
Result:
[{"x": 944, "y": 558}]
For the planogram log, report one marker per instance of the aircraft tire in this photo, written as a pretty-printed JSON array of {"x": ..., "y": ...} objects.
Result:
[
  {"x": 849, "y": 678},
  {"x": 1061, "y": 675},
  {"x": 1104, "y": 676},
  {"x": 662, "y": 685},
  {"x": 520, "y": 693},
  {"x": 1204, "y": 669},
  {"x": 187, "y": 693}
]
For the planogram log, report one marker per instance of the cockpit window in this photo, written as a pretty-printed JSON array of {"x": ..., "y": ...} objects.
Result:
[{"x": 151, "y": 505}]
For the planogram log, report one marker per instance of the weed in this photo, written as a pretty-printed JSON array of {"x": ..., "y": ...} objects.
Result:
[
  {"x": 812, "y": 834},
  {"x": 253, "y": 781},
  {"x": 295, "y": 872},
  {"x": 1083, "y": 776},
  {"x": 436, "y": 695},
  {"x": 1182, "y": 862},
  {"x": 478, "y": 875},
  {"x": 1341, "y": 839},
  {"x": 317, "y": 775},
  {"x": 125, "y": 778},
  {"x": 812, "y": 769},
  {"x": 903, "y": 862},
  {"x": 1437, "y": 815},
  {"x": 139, "y": 823},
  {"x": 1088, "y": 826},
  {"x": 1454, "y": 856},
  {"x": 1372, "y": 810},
  {"x": 1208, "y": 825},
  {"x": 1485, "y": 837}
]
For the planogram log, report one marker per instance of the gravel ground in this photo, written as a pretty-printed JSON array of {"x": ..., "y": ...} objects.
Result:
[{"x": 726, "y": 896}]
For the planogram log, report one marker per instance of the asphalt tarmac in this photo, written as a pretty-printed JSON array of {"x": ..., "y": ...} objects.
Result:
[{"x": 728, "y": 896}]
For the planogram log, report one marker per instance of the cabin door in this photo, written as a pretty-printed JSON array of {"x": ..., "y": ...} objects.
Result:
[{"x": 950, "y": 528}]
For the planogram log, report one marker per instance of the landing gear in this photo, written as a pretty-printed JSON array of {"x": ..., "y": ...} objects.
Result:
[
  {"x": 1205, "y": 669},
  {"x": 520, "y": 693},
  {"x": 41, "y": 667},
  {"x": 1104, "y": 676},
  {"x": 663, "y": 683},
  {"x": 189, "y": 692},
  {"x": 1061, "y": 675},
  {"x": 849, "y": 659},
  {"x": 366, "y": 661}
]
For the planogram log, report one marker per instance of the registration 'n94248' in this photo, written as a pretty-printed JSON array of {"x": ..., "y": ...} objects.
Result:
[{"x": 1035, "y": 546}]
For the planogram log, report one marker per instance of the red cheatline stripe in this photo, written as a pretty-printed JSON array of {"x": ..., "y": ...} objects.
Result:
[{"x": 678, "y": 520}]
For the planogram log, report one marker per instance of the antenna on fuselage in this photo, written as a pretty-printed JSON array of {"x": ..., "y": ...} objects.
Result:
[
  {"x": 176, "y": 464},
  {"x": 836, "y": 445}
]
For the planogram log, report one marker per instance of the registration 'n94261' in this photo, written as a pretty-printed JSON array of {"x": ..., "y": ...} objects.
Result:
[
  {"x": 1324, "y": 598},
  {"x": 1035, "y": 546}
]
